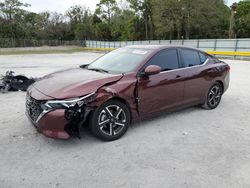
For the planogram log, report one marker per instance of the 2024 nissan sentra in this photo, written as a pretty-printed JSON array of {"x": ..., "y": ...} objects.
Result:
[{"x": 124, "y": 86}]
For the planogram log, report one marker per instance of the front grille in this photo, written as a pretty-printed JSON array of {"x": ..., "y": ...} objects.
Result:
[{"x": 33, "y": 108}]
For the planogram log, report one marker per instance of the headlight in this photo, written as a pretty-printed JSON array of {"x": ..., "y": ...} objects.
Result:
[{"x": 62, "y": 104}]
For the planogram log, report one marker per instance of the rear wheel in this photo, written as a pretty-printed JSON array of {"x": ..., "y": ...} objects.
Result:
[
  {"x": 213, "y": 97},
  {"x": 110, "y": 121}
]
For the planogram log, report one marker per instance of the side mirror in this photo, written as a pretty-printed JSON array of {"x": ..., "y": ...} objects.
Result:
[{"x": 152, "y": 69}]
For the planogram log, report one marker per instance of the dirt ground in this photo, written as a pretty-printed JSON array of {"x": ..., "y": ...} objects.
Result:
[{"x": 192, "y": 148}]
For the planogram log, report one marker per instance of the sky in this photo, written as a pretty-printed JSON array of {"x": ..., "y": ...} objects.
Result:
[{"x": 62, "y": 5}]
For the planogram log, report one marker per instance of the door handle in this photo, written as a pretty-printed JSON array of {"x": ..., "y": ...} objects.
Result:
[{"x": 178, "y": 76}]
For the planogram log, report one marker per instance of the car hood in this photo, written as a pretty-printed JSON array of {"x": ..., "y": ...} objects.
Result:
[{"x": 73, "y": 83}]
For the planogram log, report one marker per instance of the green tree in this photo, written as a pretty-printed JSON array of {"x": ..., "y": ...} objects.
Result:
[
  {"x": 85, "y": 29},
  {"x": 11, "y": 11},
  {"x": 176, "y": 19},
  {"x": 57, "y": 27},
  {"x": 76, "y": 13},
  {"x": 135, "y": 29},
  {"x": 166, "y": 15},
  {"x": 143, "y": 9},
  {"x": 105, "y": 11},
  {"x": 10, "y": 8},
  {"x": 132, "y": 20},
  {"x": 81, "y": 22},
  {"x": 42, "y": 24},
  {"x": 242, "y": 17}
]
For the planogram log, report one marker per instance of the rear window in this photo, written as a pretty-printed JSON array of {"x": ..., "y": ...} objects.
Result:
[
  {"x": 190, "y": 57},
  {"x": 215, "y": 59}
]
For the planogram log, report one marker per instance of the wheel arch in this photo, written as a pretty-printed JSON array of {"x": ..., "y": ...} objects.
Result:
[
  {"x": 108, "y": 97},
  {"x": 124, "y": 102},
  {"x": 221, "y": 83}
]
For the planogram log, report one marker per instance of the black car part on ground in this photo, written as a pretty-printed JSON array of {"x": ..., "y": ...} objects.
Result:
[{"x": 10, "y": 82}]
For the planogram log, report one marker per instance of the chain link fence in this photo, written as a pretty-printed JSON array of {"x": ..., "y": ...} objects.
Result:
[
  {"x": 235, "y": 45},
  {"x": 15, "y": 43},
  {"x": 209, "y": 45},
  {"x": 218, "y": 45}
]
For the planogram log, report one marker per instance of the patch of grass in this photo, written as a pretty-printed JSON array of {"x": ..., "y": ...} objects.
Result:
[
  {"x": 42, "y": 51},
  {"x": 52, "y": 51}
]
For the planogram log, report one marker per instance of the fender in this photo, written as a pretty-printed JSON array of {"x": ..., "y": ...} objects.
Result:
[{"x": 124, "y": 90}]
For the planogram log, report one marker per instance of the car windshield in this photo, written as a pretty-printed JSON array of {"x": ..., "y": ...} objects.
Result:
[{"x": 122, "y": 60}]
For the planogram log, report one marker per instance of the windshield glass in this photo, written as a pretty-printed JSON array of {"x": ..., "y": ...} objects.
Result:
[{"x": 122, "y": 60}]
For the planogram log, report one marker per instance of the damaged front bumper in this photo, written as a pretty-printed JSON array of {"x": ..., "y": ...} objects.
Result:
[{"x": 58, "y": 118}]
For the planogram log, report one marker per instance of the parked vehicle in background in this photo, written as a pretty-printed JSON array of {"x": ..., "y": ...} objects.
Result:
[{"x": 124, "y": 86}]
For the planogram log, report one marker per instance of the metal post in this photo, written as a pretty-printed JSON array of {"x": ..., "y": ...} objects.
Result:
[
  {"x": 236, "y": 46},
  {"x": 215, "y": 44},
  {"x": 198, "y": 43}
]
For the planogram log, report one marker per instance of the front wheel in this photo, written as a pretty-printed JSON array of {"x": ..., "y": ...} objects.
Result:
[
  {"x": 110, "y": 121},
  {"x": 213, "y": 97}
]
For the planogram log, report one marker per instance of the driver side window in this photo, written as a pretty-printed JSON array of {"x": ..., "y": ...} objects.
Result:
[{"x": 166, "y": 59}]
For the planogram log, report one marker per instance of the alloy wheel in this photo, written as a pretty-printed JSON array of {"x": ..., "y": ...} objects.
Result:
[
  {"x": 112, "y": 120},
  {"x": 214, "y": 96}
]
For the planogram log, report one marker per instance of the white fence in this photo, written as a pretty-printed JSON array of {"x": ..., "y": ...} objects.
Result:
[{"x": 234, "y": 45}]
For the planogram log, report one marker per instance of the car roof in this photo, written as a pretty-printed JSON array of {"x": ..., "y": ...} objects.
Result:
[{"x": 160, "y": 47}]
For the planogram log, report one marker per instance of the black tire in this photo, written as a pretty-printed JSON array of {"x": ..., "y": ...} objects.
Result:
[
  {"x": 213, "y": 96},
  {"x": 110, "y": 121}
]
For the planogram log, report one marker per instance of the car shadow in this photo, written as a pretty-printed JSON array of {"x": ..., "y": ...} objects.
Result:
[{"x": 87, "y": 137}]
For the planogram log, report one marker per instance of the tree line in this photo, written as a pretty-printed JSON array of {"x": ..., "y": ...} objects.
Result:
[{"x": 128, "y": 20}]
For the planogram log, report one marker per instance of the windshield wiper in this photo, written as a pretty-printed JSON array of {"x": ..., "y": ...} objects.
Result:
[{"x": 98, "y": 70}]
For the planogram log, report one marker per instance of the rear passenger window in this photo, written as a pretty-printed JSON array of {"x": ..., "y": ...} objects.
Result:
[
  {"x": 203, "y": 57},
  {"x": 190, "y": 57},
  {"x": 166, "y": 59}
]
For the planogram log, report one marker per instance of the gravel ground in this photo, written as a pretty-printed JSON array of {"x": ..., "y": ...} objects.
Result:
[{"x": 192, "y": 148}]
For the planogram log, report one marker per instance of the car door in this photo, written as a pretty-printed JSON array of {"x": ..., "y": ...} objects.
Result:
[
  {"x": 196, "y": 83},
  {"x": 164, "y": 90}
]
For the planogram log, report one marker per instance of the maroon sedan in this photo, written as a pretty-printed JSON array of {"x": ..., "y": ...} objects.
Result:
[{"x": 126, "y": 85}]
